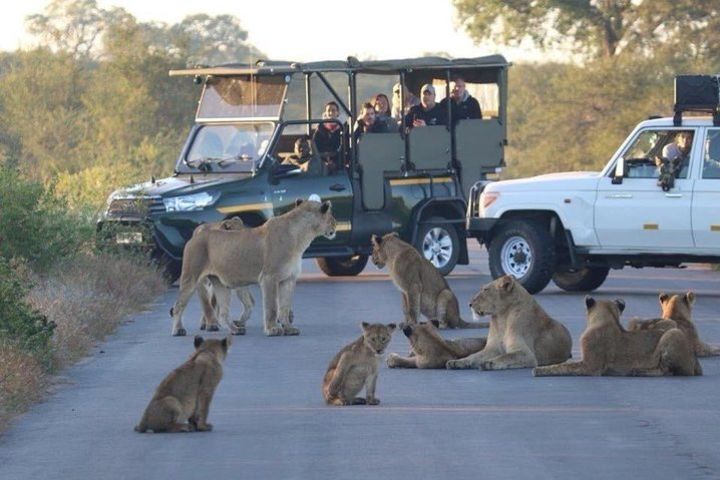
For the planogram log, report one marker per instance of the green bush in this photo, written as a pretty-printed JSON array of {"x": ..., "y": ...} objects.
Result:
[
  {"x": 35, "y": 225},
  {"x": 19, "y": 324}
]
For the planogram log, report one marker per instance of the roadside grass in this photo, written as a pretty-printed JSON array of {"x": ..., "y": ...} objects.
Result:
[{"x": 86, "y": 298}]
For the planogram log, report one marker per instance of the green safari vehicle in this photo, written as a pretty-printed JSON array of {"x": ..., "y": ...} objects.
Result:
[{"x": 414, "y": 182}]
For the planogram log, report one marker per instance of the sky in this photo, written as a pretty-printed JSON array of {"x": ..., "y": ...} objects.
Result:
[{"x": 305, "y": 30}]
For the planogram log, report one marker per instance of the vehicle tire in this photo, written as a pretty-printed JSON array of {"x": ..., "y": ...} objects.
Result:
[
  {"x": 342, "y": 266},
  {"x": 584, "y": 279},
  {"x": 438, "y": 242},
  {"x": 525, "y": 250}
]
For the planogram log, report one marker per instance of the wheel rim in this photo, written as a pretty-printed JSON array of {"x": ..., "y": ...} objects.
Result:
[
  {"x": 516, "y": 257},
  {"x": 437, "y": 247}
]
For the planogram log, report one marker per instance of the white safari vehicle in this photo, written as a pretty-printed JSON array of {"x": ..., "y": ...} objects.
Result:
[{"x": 656, "y": 204}]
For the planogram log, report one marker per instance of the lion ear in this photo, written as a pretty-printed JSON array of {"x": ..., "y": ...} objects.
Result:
[
  {"x": 435, "y": 323},
  {"x": 364, "y": 325},
  {"x": 377, "y": 240},
  {"x": 506, "y": 283},
  {"x": 391, "y": 326},
  {"x": 325, "y": 206},
  {"x": 198, "y": 341},
  {"x": 664, "y": 297},
  {"x": 690, "y": 298},
  {"x": 298, "y": 201},
  {"x": 620, "y": 304},
  {"x": 589, "y": 302}
]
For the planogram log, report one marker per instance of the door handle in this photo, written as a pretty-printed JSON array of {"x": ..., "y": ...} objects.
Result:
[
  {"x": 619, "y": 195},
  {"x": 673, "y": 195},
  {"x": 337, "y": 187}
]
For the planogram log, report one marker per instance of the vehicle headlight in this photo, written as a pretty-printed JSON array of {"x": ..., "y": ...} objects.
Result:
[{"x": 188, "y": 203}]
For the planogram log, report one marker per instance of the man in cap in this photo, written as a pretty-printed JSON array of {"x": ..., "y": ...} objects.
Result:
[
  {"x": 428, "y": 112},
  {"x": 464, "y": 105}
]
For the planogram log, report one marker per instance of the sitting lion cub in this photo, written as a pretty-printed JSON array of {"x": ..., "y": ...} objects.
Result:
[
  {"x": 424, "y": 289},
  {"x": 679, "y": 309},
  {"x": 430, "y": 350},
  {"x": 521, "y": 334},
  {"x": 356, "y": 366},
  {"x": 609, "y": 349},
  {"x": 185, "y": 394}
]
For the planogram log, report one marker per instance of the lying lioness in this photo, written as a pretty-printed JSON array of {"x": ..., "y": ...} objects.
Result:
[
  {"x": 679, "y": 309},
  {"x": 430, "y": 350},
  {"x": 424, "y": 289},
  {"x": 608, "y": 349},
  {"x": 521, "y": 334}
]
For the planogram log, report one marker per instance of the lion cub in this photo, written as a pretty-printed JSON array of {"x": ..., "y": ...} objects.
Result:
[
  {"x": 424, "y": 289},
  {"x": 185, "y": 394},
  {"x": 609, "y": 349},
  {"x": 679, "y": 309},
  {"x": 430, "y": 350},
  {"x": 356, "y": 366}
]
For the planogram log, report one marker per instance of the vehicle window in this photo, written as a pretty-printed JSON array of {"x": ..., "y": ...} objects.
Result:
[
  {"x": 645, "y": 156},
  {"x": 242, "y": 97},
  {"x": 228, "y": 148},
  {"x": 711, "y": 157}
]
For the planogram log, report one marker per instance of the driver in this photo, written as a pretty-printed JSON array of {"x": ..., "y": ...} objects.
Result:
[{"x": 304, "y": 158}]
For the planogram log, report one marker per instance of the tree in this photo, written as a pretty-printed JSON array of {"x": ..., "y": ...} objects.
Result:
[{"x": 596, "y": 28}]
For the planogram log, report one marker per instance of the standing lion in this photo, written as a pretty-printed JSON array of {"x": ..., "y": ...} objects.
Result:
[{"x": 270, "y": 255}]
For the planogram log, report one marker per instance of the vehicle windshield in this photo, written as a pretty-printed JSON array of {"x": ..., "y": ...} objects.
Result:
[{"x": 231, "y": 148}]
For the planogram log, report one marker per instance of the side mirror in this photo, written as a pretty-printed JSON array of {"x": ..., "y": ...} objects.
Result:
[{"x": 619, "y": 171}]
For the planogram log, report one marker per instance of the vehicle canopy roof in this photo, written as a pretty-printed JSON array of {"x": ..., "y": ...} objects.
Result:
[{"x": 352, "y": 64}]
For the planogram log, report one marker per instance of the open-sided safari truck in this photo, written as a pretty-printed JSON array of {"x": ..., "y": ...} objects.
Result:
[{"x": 412, "y": 182}]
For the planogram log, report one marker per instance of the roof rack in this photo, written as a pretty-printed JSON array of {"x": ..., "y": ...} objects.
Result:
[{"x": 697, "y": 93}]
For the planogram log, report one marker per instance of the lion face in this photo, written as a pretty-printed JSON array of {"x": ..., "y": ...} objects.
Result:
[
  {"x": 494, "y": 297},
  {"x": 379, "y": 258},
  {"x": 377, "y": 336},
  {"x": 327, "y": 221},
  {"x": 677, "y": 307}
]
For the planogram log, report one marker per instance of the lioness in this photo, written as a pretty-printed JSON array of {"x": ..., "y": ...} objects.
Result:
[
  {"x": 206, "y": 294},
  {"x": 356, "y": 366},
  {"x": 679, "y": 309},
  {"x": 270, "y": 255},
  {"x": 430, "y": 350},
  {"x": 424, "y": 289},
  {"x": 185, "y": 394},
  {"x": 521, "y": 333},
  {"x": 609, "y": 349}
]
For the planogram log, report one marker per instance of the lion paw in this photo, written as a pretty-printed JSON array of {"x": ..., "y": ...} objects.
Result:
[
  {"x": 290, "y": 330},
  {"x": 202, "y": 326},
  {"x": 392, "y": 360},
  {"x": 373, "y": 401},
  {"x": 180, "y": 332},
  {"x": 205, "y": 428},
  {"x": 239, "y": 331},
  {"x": 455, "y": 365},
  {"x": 275, "y": 331},
  {"x": 487, "y": 365}
]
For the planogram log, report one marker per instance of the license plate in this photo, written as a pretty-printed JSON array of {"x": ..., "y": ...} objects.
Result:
[{"x": 129, "y": 238}]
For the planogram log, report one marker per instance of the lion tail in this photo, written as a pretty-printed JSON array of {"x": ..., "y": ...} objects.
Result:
[{"x": 463, "y": 324}]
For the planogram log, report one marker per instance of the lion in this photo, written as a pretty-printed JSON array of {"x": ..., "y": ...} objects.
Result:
[
  {"x": 424, "y": 289},
  {"x": 206, "y": 294},
  {"x": 430, "y": 350},
  {"x": 679, "y": 309},
  {"x": 521, "y": 334},
  {"x": 182, "y": 400},
  {"x": 356, "y": 366},
  {"x": 270, "y": 255},
  {"x": 609, "y": 349}
]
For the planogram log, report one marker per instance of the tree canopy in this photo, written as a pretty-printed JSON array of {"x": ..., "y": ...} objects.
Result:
[{"x": 596, "y": 28}]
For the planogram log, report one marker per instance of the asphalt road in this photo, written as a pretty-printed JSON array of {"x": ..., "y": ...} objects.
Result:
[{"x": 271, "y": 423}]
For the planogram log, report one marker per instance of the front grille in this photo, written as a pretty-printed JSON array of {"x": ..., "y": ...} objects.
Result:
[{"x": 138, "y": 207}]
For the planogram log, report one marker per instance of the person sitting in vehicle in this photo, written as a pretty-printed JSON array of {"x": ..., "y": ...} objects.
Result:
[
  {"x": 428, "y": 112},
  {"x": 367, "y": 122},
  {"x": 464, "y": 105},
  {"x": 383, "y": 113},
  {"x": 410, "y": 101},
  {"x": 328, "y": 137},
  {"x": 304, "y": 158},
  {"x": 677, "y": 153}
]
